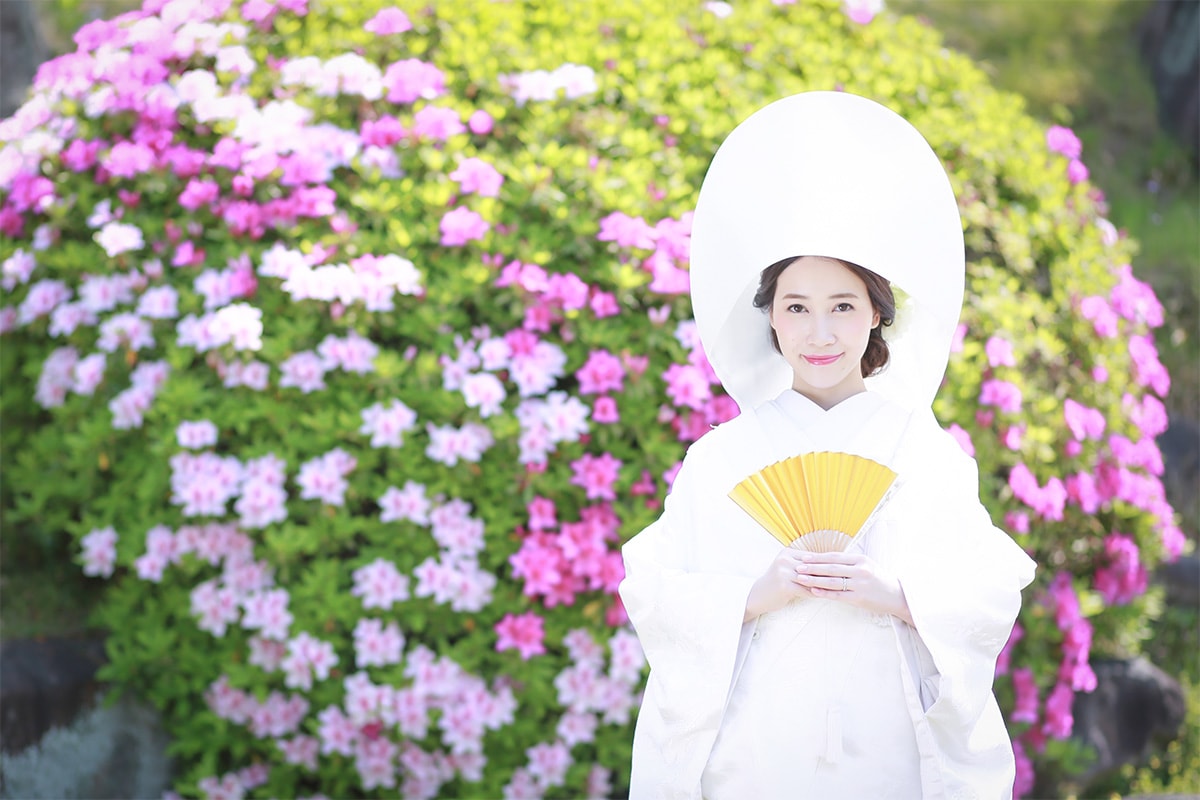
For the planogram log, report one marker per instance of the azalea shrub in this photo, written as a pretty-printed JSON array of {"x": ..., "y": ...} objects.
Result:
[{"x": 348, "y": 343}]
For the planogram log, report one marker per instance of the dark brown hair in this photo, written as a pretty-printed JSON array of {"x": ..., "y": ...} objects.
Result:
[{"x": 875, "y": 358}]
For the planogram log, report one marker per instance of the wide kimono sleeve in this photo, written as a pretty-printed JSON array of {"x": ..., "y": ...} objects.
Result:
[
  {"x": 690, "y": 626},
  {"x": 962, "y": 578}
]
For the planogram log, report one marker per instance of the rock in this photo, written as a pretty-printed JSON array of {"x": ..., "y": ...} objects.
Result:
[
  {"x": 1170, "y": 43},
  {"x": 1135, "y": 704},
  {"x": 1182, "y": 580},
  {"x": 61, "y": 739},
  {"x": 21, "y": 51}
]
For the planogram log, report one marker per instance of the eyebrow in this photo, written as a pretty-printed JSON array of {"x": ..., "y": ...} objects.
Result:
[{"x": 838, "y": 296}]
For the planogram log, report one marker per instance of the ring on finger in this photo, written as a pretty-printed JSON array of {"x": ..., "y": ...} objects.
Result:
[{"x": 844, "y": 589}]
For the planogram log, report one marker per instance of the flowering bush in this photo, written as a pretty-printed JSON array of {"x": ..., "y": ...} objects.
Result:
[{"x": 350, "y": 342}]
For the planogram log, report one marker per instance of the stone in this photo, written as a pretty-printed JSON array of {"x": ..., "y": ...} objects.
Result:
[{"x": 1134, "y": 706}]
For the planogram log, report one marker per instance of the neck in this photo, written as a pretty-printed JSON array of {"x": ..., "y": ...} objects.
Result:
[{"x": 828, "y": 398}]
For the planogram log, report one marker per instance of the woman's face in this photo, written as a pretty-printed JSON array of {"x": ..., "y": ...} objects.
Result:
[{"x": 822, "y": 316}]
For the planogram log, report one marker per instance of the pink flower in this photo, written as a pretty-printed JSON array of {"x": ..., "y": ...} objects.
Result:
[
  {"x": 437, "y": 123},
  {"x": 548, "y": 763},
  {"x": 1135, "y": 300},
  {"x": 999, "y": 352},
  {"x": 962, "y": 437},
  {"x": 1059, "y": 721},
  {"x": 267, "y": 611},
  {"x": 687, "y": 386},
  {"x": 305, "y": 371},
  {"x": 604, "y": 411},
  {"x": 387, "y": 22},
  {"x": 409, "y": 503},
  {"x": 408, "y": 80},
  {"x": 604, "y": 304},
  {"x": 462, "y": 225},
  {"x": 324, "y": 478},
  {"x": 862, "y": 11},
  {"x": 1005, "y": 658},
  {"x": 480, "y": 122},
  {"x": 88, "y": 374},
  {"x": 1064, "y": 141},
  {"x": 1025, "y": 707},
  {"x": 201, "y": 433},
  {"x": 626, "y": 231},
  {"x": 524, "y": 632},
  {"x": 1084, "y": 422},
  {"x": 216, "y": 607},
  {"x": 1150, "y": 372},
  {"x": 484, "y": 391},
  {"x": 603, "y": 372},
  {"x": 380, "y": 585},
  {"x": 1025, "y": 775},
  {"x": 1077, "y": 171},
  {"x": 99, "y": 552},
  {"x": 477, "y": 175},
  {"x": 1002, "y": 394},
  {"x": 449, "y": 445},
  {"x": 338, "y": 734},
  {"x": 308, "y": 658},
  {"x": 1124, "y": 577},
  {"x": 1097, "y": 310},
  {"x": 352, "y": 353},
  {"x": 542, "y": 516},
  {"x": 300, "y": 750},
  {"x": 596, "y": 474},
  {"x": 387, "y": 425},
  {"x": 375, "y": 645}
]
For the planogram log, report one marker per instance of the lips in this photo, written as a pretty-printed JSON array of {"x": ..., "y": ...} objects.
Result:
[{"x": 821, "y": 361}]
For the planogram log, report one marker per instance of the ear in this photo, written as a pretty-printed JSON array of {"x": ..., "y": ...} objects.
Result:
[{"x": 875, "y": 321}]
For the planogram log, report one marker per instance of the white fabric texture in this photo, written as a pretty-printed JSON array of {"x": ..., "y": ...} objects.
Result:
[{"x": 819, "y": 699}]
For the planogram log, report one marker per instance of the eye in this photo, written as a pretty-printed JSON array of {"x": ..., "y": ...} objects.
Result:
[
  {"x": 795, "y": 308},
  {"x": 843, "y": 307}
]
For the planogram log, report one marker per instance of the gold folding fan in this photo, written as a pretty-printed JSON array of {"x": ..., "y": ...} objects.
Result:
[{"x": 815, "y": 501}]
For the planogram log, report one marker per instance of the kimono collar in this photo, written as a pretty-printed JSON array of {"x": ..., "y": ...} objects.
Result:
[{"x": 827, "y": 174}]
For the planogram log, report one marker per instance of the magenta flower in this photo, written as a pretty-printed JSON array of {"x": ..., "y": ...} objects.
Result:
[
  {"x": 1083, "y": 422},
  {"x": 1003, "y": 395},
  {"x": 461, "y": 226},
  {"x": 602, "y": 373},
  {"x": 687, "y": 386},
  {"x": 1025, "y": 775},
  {"x": 1124, "y": 577},
  {"x": 1077, "y": 171},
  {"x": 523, "y": 632},
  {"x": 1135, "y": 300},
  {"x": 387, "y": 22},
  {"x": 1063, "y": 141},
  {"x": 596, "y": 474},
  {"x": 1059, "y": 721},
  {"x": 1025, "y": 707},
  {"x": 626, "y": 231},
  {"x": 480, "y": 122},
  {"x": 605, "y": 411},
  {"x": 1100, "y": 313},
  {"x": 999, "y": 352},
  {"x": 1150, "y": 371}
]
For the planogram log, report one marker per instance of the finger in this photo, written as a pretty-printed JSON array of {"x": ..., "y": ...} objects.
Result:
[
  {"x": 822, "y": 582},
  {"x": 850, "y": 559}
]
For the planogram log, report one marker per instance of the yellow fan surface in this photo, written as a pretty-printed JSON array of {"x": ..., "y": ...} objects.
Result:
[{"x": 816, "y": 501}]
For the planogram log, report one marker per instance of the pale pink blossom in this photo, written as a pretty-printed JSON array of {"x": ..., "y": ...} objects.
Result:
[
  {"x": 16, "y": 269},
  {"x": 324, "y": 478},
  {"x": 375, "y": 645},
  {"x": 100, "y": 293},
  {"x": 300, "y": 750},
  {"x": 266, "y": 653},
  {"x": 88, "y": 373},
  {"x": 201, "y": 433},
  {"x": 252, "y": 374},
  {"x": 42, "y": 298},
  {"x": 203, "y": 483},
  {"x": 118, "y": 237},
  {"x": 411, "y": 79},
  {"x": 308, "y": 659},
  {"x": 99, "y": 552},
  {"x": 408, "y": 503},
  {"x": 64, "y": 319},
  {"x": 437, "y": 123},
  {"x": 338, "y": 734},
  {"x": 352, "y": 353},
  {"x": 159, "y": 302},
  {"x": 484, "y": 391},
  {"x": 387, "y": 22},
  {"x": 461, "y": 583},
  {"x": 478, "y": 176},
  {"x": 216, "y": 607},
  {"x": 387, "y": 425},
  {"x": 267, "y": 611},
  {"x": 549, "y": 762},
  {"x": 461, "y": 225},
  {"x": 304, "y": 370},
  {"x": 380, "y": 585},
  {"x": 449, "y": 445}
]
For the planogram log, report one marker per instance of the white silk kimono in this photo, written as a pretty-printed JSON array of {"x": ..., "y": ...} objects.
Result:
[{"x": 820, "y": 699}]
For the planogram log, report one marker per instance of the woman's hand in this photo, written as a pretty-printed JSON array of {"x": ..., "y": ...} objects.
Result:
[
  {"x": 855, "y": 579},
  {"x": 778, "y": 586}
]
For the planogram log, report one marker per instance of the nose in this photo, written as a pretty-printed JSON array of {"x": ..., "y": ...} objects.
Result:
[{"x": 821, "y": 331}]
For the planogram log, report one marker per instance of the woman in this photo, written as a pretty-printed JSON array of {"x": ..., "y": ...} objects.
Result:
[{"x": 867, "y": 673}]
